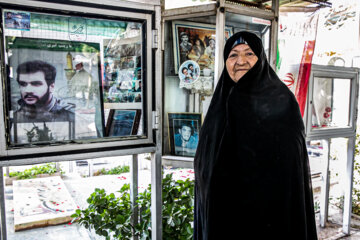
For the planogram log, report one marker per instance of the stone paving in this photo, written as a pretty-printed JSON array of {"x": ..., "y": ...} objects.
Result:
[{"x": 81, "y": 187}]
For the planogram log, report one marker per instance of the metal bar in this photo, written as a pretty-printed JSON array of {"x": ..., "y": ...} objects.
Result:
[
  {"x": 197, "y": 102},
  {"x": 156, "y": 169},
  {"x": 91, "y": 168},
  {"x": 191, "y": 102},
  {"x": 325, "y": 188},
  {"x": 156, "y": 196},
  {"x": 2, "y": 206},
  {"x": 86, "y": 9},
  {"x": 252, "y": 12},
  {"x": 127, "y": 3},
  {"x": 274, "y": 33},
  {"x": 298, "y": 9},
  {"x": 348, "y": 186},
  {"x": 134, "y": 173},
  {"x": 220, "y": 41},
  {"x": 67, "y": 147},
  {"x": 188, "y": 12},
  {"x": 2, "y": 119},
  {"x": 71, "y": 157}
]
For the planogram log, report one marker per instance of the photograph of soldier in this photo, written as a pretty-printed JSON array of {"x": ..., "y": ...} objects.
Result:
[
  {"x": 37, "y": 103},
  {"x": 185, "y": 46},
  {"x": 54, "y": 82}
]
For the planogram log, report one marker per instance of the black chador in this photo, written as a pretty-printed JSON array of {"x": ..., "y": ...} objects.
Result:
[{"x": 252, "y": 176}]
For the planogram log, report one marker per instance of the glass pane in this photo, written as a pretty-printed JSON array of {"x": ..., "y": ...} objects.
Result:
[
  {"x": 72, "y": 78},
  {"x": 189, "y": 64},
  {"x": 331, "y": 103},
  {"x": 40, "y": 199}
]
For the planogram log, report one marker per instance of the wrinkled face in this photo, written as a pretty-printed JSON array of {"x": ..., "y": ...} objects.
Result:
[
  {"x": 240, "y": 60},
  {"x": 34, "y": 89},
  {"x": 185, "y": 133}
]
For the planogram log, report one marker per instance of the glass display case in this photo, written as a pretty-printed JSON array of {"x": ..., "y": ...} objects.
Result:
[
  {"x": 330, "y": 122},
  {"x": 191, "y": 62},
  {"x": 75, "y": 79},
  {"x": 331, "y": 101}
]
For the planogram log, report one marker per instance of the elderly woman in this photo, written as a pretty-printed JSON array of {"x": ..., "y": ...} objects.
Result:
[{"x": 252, "y": 177}]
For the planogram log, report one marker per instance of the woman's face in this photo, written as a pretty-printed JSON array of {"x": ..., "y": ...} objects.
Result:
[{"x": 240, "y": 60}]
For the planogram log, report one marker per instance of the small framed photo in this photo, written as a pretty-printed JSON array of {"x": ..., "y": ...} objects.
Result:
[
  {"x": 122, "y": 122},
  {"x": 184, "y": 131}
]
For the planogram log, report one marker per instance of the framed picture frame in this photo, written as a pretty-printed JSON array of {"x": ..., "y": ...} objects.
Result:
[
  {"x": 195, "y": 41},
  {"x": 184, "y": 129},
  {"x": 122, "y": 122},
  {"x": 70, "y": 95}
]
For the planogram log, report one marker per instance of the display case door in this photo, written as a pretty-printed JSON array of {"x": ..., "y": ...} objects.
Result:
[{"x": 332, "y": 98}]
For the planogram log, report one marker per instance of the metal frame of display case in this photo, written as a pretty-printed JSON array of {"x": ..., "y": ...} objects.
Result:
[
  {"x": 219, "y": 9},
  {"x": 93, "y": 145},
  {"x": 132, "y": 9},
  {"x": 327, "y": 134}
]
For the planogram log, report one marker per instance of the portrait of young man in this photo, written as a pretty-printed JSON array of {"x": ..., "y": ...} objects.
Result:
[
  {"x": 185, "y": 139},
  {"x": 37, "y": 102}
]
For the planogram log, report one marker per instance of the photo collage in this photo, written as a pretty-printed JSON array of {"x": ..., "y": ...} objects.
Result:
[{"x": 122, "y": 71}]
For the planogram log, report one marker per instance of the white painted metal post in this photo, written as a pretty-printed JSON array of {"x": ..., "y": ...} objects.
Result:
[
  {"x": 220, "y": 38},
  {"x": 348, "y": 186},
  {"x": 156, "y": 169},
  {"x": 156, "y": 196},
  {"x": 2, "y": 205},
  {"x": 191, "y": 102},
  {"x": 197, "y": 102},
  {"x": 274, "y": 34},
  {"x": 325, "y": 186},
  {"x": 134, "y": 173}
]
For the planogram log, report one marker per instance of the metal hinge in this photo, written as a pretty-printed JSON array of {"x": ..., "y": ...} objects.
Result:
[
  {"x": 155, "y": 119},
  {"x": 155, "y": 38}
]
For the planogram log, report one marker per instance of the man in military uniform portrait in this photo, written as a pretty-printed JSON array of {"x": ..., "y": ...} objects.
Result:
[{"x": 36, "y": 81}]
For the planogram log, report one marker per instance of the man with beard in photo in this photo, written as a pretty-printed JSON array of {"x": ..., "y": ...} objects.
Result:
[{"x": 36, "y": 81}]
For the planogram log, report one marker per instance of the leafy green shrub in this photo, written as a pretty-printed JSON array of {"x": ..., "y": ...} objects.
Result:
[
  {"x": 114, "y": 171},
  {"x": 110, "y": 216},
  {"x": 48, "y": 168}
]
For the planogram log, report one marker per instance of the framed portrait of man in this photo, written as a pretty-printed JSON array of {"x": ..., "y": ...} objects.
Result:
[
  {"x": 184, "y": 129},
  {"x": 195, "y": 41},
  {"x": 56, "y": 92}
]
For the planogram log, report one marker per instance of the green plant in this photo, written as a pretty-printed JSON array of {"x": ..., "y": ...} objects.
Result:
[
  {"x": 110, "y": 216},
  {"x": 115, "y": 170},
  {"x": 48, "y": 168}
]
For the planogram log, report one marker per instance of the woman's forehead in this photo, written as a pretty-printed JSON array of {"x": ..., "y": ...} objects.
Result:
[{"x": 241, "y": 48}]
